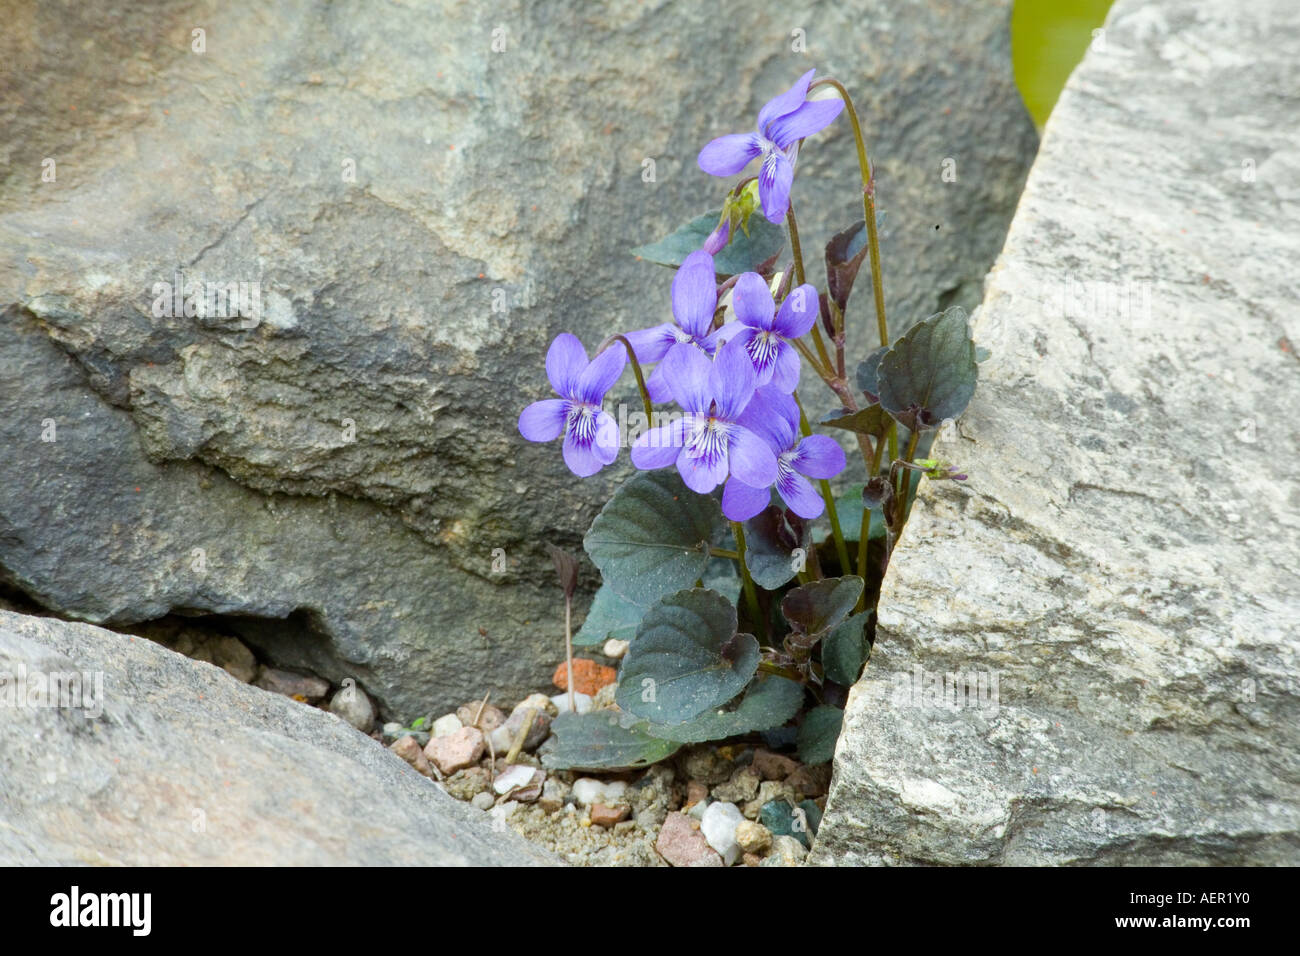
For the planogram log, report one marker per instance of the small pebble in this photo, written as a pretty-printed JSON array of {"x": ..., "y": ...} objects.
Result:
[
  {"x": 751, "y": 859},
  {"x": 491, "y": 718},
  {"x": 446, "y": 724},
  {"x": 456, "y": 750},
  {"x": 719, "y": 828},
  {"x": 786, "y": 851},
  {"x": 537, "y": 702},
  {"x": 554, "y": 792},
  {"x": 501, "y": 740},
  {"x": 615, "y": 648},
  {"x": 588, "y": 676},
  {"x": 354, "y": 706},
  {"x": 604, "y": 698},
  {"x": 482, "y": 801},
  {"x": 772, "y": 766},
  {"x": 753, "y": 837},
  {"x": 587, "y": 792},
  {"x": 603, "y": 816},
  {"x": 407, "y": 748},
  {"x": 583, "y": 702},
  {"x": 537, "y": 719},
  {"x": 518, "y": 777},
  {"x": 681, "y": 844},
  {"x": 706, "y": 765},
  {"x": 742, "y": 786},
  {"x": 811, "y": 781},
  {"x": 695, "y": 792}
]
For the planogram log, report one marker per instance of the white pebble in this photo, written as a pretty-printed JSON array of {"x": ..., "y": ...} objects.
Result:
[
  {"x": 501, "y": 741},
  {"x": 719, "y": 828},
  {"x": 587, "y": 791},
  {"x": 615, "y": 648},
  {"x": 561, "y": 702},
  {"x": 446, "y": 724},
  {"x": 520, "y": 775}
]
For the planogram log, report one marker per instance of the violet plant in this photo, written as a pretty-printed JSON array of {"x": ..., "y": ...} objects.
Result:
[{"x": 743, "y": 615}]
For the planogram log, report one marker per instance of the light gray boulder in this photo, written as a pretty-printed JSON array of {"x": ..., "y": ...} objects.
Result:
[
  {"x": 152, "y": 759},
  {"x": 1116, "y": 589}
]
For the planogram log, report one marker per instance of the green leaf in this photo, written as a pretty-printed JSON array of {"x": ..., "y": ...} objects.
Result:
[
  {"x": 769, "y": 702},
  {"x": 867, "y": 373},
  {"x": 745, "y": 253},
  {"x": 872, "y": 420},
  {"x": 771, "y": 538},
  {"x": 929, "y": 374},
  {"x": 844, "y": 255},
  {"x": 818, "y": 733},
  {"x": 723, "y": 576},
  {"x": 686, "y": 659},
  {"x": 815, "y": 608},
  {"x": 610, "y": 616},
  {"x": 597, "y": 741},
  {"x": 845, "y": 649},
  {"x": 649, "y": 538}
]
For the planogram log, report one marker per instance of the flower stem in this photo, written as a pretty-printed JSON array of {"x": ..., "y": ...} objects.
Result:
[
  {"x": 636, "y": 370},
  {"x": 868, "y": 203},
  {"x": 770, "y": 667},
  {"x": 801, "y": 278},
  {"x": 869, "y": 215},
  {"x": 841, "y": 550},
  {"x": 751, "y": 595}
]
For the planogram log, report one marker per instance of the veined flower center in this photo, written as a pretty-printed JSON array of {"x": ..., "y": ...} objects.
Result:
[
  {"x": 581, "y": 422},
  {"x": 708, "y": 439},
  {"x": 762, "y": 348}
]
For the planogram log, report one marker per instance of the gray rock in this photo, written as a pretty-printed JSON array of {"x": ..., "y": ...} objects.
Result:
[
  {"x": 352, "y": 704},
  {"x": 785, "y": 851},
  {"x": 171, "y": 762},
  {"x": 338, "y": 475},
  {"x": 1123, "y": 560}
]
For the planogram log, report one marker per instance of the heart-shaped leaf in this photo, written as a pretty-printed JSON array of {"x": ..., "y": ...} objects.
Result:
[
  {"x": 818, "y": 733},
  {"x": 745, "y": 253},
  {"x": 597, "y": 741},
  {"x": 769, "y": 702},
  {"x": 872, "y": 420},
  {"x": 867, "y": 373},
  {"x": 929, "y": 374},
  {"x": 649, "y": 539},
  {"x": 773, "y": 539},
  {"x": 844, "y": 255},
  {"x": 610, "y": 616},
  {"x": 845, "y": 649},
  {"x": 686, "y": 659},
  {"x": 817, "y": 607}
]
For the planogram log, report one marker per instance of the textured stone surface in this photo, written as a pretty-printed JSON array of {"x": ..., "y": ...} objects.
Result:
[
  {"x": 1124, "y": 557},
  {"x": 184, "y": 765},
  {"x": 337, "y": 477}
]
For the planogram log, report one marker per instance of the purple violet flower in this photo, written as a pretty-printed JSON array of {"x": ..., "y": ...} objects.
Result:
[
  {"x": 767, "y": 333},
  {"x": 708, "y": 444},
  {"x": 591, "y": 437},
  {"x": 774, "y": 416},
  {"x": 695, "y": 298},
  {"x": 784, "y": 121}
]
